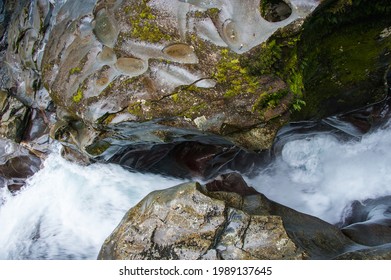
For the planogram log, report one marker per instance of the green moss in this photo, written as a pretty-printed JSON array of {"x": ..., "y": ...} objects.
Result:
[
  {"x": 234, "y": 78},
  {"x": 135, "y": 109},
  {"x": 144, "y": 24},
  {"x": 213, "y": 13},
  {"x": 195, "y": 110},
  {"x": 265, "y": 61},
  {"x": 342, "y": 61},
  {"x": 278, "y": 57},
  {"x": 269, "y": 100},
  {"x": 75, "y": 70},
  {"x": 78, "y": 96}
]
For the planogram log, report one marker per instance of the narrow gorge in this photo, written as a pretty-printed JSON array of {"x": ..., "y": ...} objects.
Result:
[{"x": 194, "y": 129}]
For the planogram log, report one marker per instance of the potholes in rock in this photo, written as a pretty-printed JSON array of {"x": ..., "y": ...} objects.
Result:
[{"x": 274, "y": 10}]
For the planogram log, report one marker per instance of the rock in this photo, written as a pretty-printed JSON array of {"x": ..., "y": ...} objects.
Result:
[
  {"x": 178, "y": 63},
  {"x": 382, "y": 252},
  {"x": 346, "y": 67},
  {"x": 13, "y": 117},
  {"x": 369, "y": 222},
  {"x": 187, "y": 154},
  {"x": 182, "y": 53},
  {"x": 16, "y": 164},
  {"x": 105, "y": 28},
  {"x": 27, "y": 27},
  {"x": 225, "y": 219},
  {"x": 169, "y": 225}
]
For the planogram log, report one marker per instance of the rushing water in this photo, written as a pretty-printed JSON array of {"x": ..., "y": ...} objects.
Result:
[
  {"x": 321, "y": 176},
  {"x": 66, "y": 211}
]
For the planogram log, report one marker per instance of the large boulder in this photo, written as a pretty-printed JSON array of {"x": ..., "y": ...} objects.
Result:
[{"x": 224, "y": 219}]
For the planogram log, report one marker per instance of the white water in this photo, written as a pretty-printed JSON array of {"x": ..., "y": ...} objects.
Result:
[
  {"x": 66, "y": 211},
  {"x": 321, "y": 176}
]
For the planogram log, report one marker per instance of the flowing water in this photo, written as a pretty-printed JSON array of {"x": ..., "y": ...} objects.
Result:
[
  {"x": 66, "y": 210},
  {"x": 321, "y": 176}
]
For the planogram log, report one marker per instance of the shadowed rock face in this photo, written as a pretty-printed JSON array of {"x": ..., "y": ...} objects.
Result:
[{"x": 16, "y": 164}]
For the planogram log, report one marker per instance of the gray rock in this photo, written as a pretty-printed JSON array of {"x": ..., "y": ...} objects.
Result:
[
  {"x": 191, "y": 221},
  {"x": 185, "y": 223},
  {"x": 13, "y": 117},
  {"x": 382, "y": 252}
]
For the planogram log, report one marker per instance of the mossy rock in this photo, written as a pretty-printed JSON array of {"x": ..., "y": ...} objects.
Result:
[{"x": 344, "y": 53}]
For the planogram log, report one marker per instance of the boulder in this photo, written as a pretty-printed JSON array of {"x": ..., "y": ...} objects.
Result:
[
  {"x": 224, "y": 219},
  {"x": 184, "y": 223}
]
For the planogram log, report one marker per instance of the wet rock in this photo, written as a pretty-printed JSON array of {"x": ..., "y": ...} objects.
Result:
[
  {"x": 131, "y": 66},
  {"x": 369, "y": 222},
  {"x": 231, "y": 182},
  {"x": 13, "y": 117},
  {"x": 105, "y": 28},
  {"x": 20, "y": 167},
  {"x": 16, "y": 164},
  {"x": 28, "y": 26},
  {"x": 180, "y": 53},
  {"x": 178, "y": 153},
  {"x": 225, "y": 219}
]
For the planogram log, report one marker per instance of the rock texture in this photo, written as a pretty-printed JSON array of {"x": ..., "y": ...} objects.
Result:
[
  {"x": 224, "y": 219},
  {"x": 16, "y": 165},
  {"x": 169, "y": 225},
  {"x": 176, "y": 63}
]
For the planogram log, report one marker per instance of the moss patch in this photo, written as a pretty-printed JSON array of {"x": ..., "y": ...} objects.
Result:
[
  {"x": 231, "y": 75},
  {"x": 78, "y": 96},
  {"x": 342, "y": 57},
  {"x": 144, "y": 25}
]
